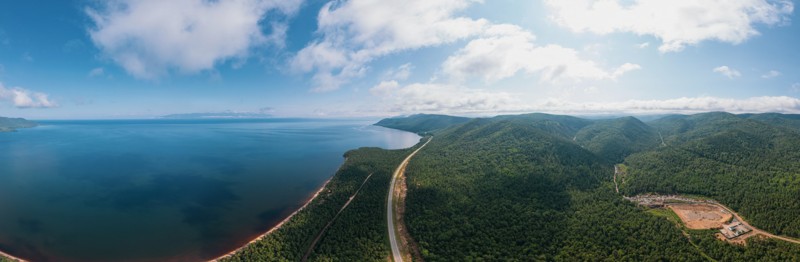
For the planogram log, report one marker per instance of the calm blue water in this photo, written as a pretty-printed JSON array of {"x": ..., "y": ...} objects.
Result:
[{"x": 164, "y": 189}]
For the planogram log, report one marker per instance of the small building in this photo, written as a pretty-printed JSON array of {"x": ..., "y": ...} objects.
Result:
[{"x": 734, "y": 229}]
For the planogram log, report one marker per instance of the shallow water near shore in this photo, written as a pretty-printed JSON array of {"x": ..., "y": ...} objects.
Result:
[{"x": 159, "y": 190}]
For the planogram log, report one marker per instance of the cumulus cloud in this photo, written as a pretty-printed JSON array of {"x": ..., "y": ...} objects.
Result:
[
  {"x": 643, "y": 45},
  {"x": 441, "y": 98},
  {"x": 355, "y": 32},
  {"x": 22, "y": 98},
  {"x": 149, "y": 38},
  {"x": 505, "y": 49},
  {"x": 727, "y": 71},
  {"x": 448, "y": 98},
  {"x": 771, "y": 74},
  {"x": 781, "y": 104},
  {"x": 677, "y": 23}
]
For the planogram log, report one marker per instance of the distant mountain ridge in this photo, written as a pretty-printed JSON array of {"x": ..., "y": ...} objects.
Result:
[{"x": 12, "y": 124}]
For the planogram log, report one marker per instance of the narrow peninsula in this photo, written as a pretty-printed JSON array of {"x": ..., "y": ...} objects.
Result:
[{"x": 12, "y": 124}]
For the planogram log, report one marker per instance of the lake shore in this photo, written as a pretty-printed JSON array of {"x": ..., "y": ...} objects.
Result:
[
  {"x": 277, "y": 226},
  {"x": 285, "y": 220},
  {"x": 12, "y": 258}
]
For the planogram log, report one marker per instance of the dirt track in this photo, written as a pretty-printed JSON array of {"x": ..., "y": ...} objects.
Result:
[
  {"x": 321, "y": 232},
  {"x": 682, "y": 200},
  {"x": 757, "y": 231}
]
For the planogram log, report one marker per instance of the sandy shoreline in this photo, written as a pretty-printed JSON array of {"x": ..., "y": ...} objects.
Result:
[
  {"x": 6, "y": 255},
  {"x": 278, "y": 226}
]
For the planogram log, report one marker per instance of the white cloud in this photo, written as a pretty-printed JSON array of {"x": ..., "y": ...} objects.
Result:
[
  {"x": 22, "y": 98},
  {"x": 356, "y": 32},
  {"x": 385, "y": 88},
  {"x": 771, "y": 74},
  {"x": 782, "y": 104},
  {"x": 402, "y": 72},
  {"x": 447, "y": 98},
  {"x": 504, "y": 50},
  {"x": 148, "y": 38},
  {"x": 727, "y": 71},
  {"x": 99, "y": 71},
  {"x": 643, "y": 45},
  {"x": 676, "y": 23},
  {"x": 441, "y": 98}
]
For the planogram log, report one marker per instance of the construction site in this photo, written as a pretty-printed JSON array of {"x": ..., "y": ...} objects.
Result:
[{"x": 700, "y": 214}]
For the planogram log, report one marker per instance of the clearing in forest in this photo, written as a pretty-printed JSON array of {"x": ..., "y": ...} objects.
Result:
[{"x": 701, "y": 216}]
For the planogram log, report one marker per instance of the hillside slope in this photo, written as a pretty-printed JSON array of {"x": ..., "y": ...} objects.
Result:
[
  {"x": 615, "y": 139},
  {"x": 507, "y": 190},
  {"x": 422, "y": 123},
  {"x": 12, "y": 124},
  {"x": 522, "y": 188},
  {"x": 749, "y": 165}
]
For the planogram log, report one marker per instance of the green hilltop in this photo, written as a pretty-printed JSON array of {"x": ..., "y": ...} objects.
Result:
[
  {"x": 12, "y": 124},
  {"x": 421, "y": 123},
  {"x": 537, "y": 186}
]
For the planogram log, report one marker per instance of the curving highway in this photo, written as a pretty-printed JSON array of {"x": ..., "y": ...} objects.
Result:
[{"x": 396, "y": 256}]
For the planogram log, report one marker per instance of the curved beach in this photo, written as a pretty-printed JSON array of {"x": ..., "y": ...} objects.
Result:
[{"x": 277, "y": 226}]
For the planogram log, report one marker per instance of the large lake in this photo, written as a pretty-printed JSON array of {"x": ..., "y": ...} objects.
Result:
[{"x": 154, "y": 190}]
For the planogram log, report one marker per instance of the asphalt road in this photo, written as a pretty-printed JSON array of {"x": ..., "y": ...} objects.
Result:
[{"x": 397, "y": 257}]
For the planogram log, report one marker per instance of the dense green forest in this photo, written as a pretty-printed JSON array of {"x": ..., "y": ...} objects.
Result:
[
  {"x": 11, "y": 124},
  {"x": 750, "y": 166},
  {"x": 614, "y": 139},
  {"x": 790, "y": 121},
  {"x": 756, "y": 250},
  {"x": 358, "y": 234},
  {"x": 534, "y": 187},
  {"x": 504, "y": 190}
]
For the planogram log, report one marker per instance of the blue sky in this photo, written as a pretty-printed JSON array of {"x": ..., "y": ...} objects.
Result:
[{"x": 141, "y": 59}]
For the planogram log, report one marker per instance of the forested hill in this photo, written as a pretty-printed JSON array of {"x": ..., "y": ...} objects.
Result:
[
  {"x": 557, "y": 125},
  {"x": 12, "y": 124},
  {"x": 749, "y": 163},
  {"x": 499, "y": 190},
  {"x": 537, "y": 187},
  {"x": 422, "y": 123},
  {"x": 614, "y": 139},
  {"x": 790, "y": 121}
]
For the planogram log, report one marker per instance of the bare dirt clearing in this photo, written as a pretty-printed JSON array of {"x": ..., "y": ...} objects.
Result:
[
  {"x": 701, "y": 216},
  {"x": 705, "y": 213}
]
